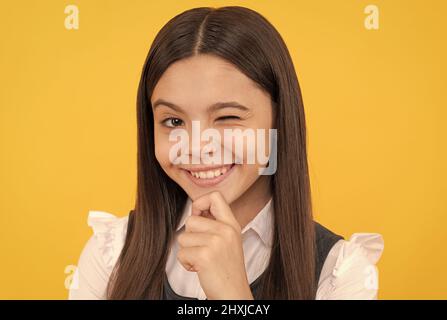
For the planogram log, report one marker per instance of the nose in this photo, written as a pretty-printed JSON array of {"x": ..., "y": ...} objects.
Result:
[{"x": 204, "y": 142}]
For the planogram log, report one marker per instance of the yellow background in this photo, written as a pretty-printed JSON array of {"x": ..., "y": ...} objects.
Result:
[{"x": 375, "y": 111}]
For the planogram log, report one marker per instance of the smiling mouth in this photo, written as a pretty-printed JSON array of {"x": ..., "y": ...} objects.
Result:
[
  {"x": 210, "y": 173},
  {"x": 209, "y": 176}
]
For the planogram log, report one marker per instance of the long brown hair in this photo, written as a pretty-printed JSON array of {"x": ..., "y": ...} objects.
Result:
[{"x": 246, "y": 39}]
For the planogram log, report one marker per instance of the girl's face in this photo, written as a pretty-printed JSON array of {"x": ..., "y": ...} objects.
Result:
[{"x": 215, "y": 94}]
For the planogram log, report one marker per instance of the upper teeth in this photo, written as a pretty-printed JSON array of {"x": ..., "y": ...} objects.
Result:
[{"x": 209, "y": 174}]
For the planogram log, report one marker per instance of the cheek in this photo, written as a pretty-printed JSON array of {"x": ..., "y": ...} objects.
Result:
[
  {"x": 256, "y": 151},
  {"x": 248, "y": 173},
  {"x": 162, "y": 147}
]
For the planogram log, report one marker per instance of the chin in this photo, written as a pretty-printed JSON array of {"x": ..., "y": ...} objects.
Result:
[{"x": 229, "y": 194}]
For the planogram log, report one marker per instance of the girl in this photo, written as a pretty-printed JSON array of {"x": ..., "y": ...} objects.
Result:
[{"x": 221, "y": 231}]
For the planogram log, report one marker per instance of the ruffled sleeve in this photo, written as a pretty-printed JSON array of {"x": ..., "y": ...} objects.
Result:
[
  {"x": 350, "y": 271},
  {"x": 110, "y": 233},
  {"x": 98, "y": 256}
]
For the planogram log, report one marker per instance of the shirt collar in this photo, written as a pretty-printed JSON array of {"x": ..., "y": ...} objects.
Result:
[{"x": 262, "y": 223}]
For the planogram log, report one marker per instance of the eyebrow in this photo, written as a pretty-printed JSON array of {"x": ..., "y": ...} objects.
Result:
[{"x": 214, "y": 107}]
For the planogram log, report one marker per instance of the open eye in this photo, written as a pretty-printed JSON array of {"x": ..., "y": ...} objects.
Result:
[
  {"x": 229, "y": 118},
  {"x": 172, "y": 122}
]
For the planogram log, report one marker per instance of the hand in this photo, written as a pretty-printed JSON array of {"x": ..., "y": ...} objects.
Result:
[{"x": 212, "y": 247}]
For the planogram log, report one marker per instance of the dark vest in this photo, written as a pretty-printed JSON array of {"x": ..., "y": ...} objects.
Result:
[{"x": 325, "y": 239}]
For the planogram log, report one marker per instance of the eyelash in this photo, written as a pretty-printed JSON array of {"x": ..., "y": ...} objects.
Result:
[
  {"x": 170, "y": 118},
  {"x": 220, "y": 118},
  {"x": 229, "y": 118}
]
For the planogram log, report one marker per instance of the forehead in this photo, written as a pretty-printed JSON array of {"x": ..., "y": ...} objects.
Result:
[{"x": 204, "y": 79}]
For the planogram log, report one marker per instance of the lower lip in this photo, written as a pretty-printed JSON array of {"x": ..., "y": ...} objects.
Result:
[{"x": 210, "y": 182}]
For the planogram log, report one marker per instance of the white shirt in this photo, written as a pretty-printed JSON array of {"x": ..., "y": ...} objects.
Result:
[{"x": 349, "y": 271}]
